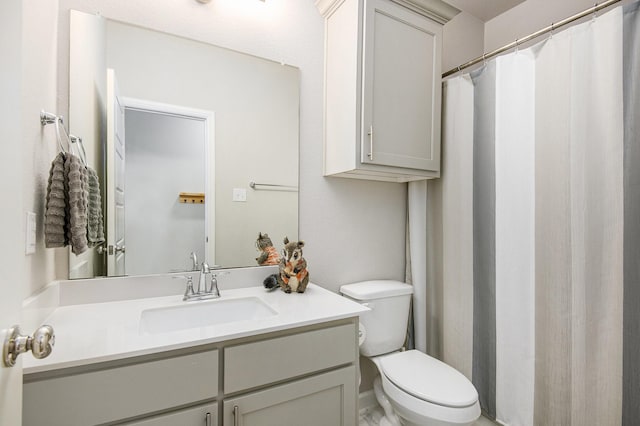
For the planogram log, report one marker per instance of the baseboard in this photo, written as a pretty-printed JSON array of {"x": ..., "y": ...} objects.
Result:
[{"x": 367, "y": 399}]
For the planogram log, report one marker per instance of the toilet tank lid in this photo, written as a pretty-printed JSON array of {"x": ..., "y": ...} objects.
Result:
[{"x": 375, "y": 289}]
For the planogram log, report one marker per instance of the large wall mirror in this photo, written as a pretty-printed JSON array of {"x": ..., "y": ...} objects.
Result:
[{"x": 195, "y": 119}]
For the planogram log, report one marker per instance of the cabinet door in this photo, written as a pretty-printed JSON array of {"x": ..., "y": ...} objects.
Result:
[
  {"x": 401, "y": 88},
  {"x": 326, "y": 399},
  {"x": 203, "y": 415}
]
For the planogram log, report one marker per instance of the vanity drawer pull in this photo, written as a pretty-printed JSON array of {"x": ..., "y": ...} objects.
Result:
[
  {"x": 207, "y": 419},
  {"x": 236, "y": 415}
]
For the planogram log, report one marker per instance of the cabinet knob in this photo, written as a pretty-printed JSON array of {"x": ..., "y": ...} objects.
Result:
[{"x": 40, "y": 344}]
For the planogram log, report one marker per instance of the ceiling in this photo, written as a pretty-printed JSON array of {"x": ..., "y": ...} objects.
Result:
[{"x": 484, "y": 10}]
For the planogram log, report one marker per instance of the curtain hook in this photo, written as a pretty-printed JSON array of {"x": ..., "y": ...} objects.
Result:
[
  {"x": 517, "y": 45},
  {"x": 484, "y": 59},
  {"x": 595, "y": 11},
  {"x": 552, "y": 30}
]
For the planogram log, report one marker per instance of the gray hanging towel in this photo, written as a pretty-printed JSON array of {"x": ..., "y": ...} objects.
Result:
[
  {"x": 55, "y": 221},
  {"x": 77, "y": 190},
  {"x": 95, "y": 224}
]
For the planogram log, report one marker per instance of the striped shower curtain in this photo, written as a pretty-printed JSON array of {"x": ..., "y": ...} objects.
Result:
[{"x": 540, "y": 212}]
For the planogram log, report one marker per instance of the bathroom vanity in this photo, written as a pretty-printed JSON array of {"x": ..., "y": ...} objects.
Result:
[{"x": 297, "y": 364}]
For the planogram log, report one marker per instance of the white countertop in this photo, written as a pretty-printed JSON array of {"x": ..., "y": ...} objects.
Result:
[{"x": 88, "y": 333}]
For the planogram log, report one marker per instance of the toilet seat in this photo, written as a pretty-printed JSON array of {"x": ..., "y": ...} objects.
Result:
[
  {"x": 426, "y": 383},
  {"x": 428, "y": 379}
]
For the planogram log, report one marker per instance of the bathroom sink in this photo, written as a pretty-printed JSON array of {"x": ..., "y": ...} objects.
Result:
[{"x": 203, "y": 314}]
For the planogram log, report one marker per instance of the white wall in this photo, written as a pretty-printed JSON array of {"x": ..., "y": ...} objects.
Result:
[
  {"x": 39, "y": 91},
  {"x": 462, "y": 40},
  {"x": 354, "y": 230}
]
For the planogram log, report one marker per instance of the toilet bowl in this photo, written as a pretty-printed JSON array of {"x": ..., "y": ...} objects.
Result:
[
  {"x": 426, "y": 392},
  {"x": 416, "y": 389}
]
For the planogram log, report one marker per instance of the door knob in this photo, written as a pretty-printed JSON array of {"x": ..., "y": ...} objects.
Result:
[
  {"x": 40, "y": 344},
  {"x": 110, "y": 250}
]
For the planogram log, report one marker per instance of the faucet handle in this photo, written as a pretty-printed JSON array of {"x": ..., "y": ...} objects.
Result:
[
  {"x": 205, "y": 268},
  {"x": 189, "y": 289}
]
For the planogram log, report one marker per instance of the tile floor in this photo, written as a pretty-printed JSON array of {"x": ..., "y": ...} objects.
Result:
[{"x": 371, "y": 417}]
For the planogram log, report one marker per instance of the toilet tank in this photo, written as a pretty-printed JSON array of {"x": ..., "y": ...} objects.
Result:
[{"x": 382, "y": 329}]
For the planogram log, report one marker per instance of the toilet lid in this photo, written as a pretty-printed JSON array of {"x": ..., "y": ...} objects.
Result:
[{"x": 427, "y": 378}]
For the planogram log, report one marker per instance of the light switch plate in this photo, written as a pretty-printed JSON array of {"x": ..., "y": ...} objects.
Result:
[
  {"x": 239, "y": 195},
  {"x": 30, "y": 233}
]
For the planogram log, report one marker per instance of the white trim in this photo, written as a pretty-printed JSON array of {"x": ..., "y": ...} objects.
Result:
[
  {"x": 437, "y": 10},
  {"x": 209, "y": 119}
]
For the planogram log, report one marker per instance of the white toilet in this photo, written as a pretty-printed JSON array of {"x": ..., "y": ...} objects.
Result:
[{"x": 414, "y": 389}]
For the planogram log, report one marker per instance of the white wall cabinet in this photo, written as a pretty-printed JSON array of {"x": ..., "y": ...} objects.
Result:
[
  {"x": 305, "y": 376},
  {"x": 383, "y": 88}
]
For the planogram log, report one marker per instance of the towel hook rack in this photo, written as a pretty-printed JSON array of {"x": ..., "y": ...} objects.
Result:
[
  {"x": 77, "y": 140},
  {"x": 50, "y": 118},
  {"x": 47, "y": 118}
]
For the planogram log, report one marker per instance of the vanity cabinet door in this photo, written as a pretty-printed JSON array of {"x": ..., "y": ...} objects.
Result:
[
  {"x": 325, "y": 399},
  {"x": 203, "y": 415}
]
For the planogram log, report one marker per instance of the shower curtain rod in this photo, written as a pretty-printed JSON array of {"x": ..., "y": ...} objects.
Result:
[{"x": 530, "y": 37}]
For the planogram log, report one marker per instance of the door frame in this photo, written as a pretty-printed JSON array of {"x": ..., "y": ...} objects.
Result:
[{"x": 209, "y": 187}]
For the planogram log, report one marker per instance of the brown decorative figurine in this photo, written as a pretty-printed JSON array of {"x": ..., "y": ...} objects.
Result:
[
  {"x": 268, "y": 253},
  {"x": 293, "y": 274}
]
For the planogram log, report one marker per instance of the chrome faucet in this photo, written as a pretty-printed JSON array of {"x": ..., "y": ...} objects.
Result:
[
  {"x": 202, "y": 281},
  {"x": 203, "y": 290}
]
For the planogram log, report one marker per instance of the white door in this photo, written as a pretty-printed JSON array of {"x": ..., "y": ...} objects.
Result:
[
  {"x": 115, "y": 179},
  {"x": 12, "y": 240},
  {"x": 12, "y": 258}
]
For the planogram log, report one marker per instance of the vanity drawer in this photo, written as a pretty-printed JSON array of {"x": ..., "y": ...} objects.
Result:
[
  {"x": 112, "y": 394},
  {"x": 256, "y": 364}
]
